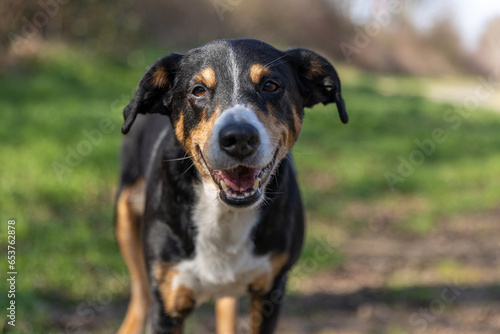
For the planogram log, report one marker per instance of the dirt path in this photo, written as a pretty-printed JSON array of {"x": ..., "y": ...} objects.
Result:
[
  {"x": 483, "y": 91},
  {"x": 447, "y": 281}
]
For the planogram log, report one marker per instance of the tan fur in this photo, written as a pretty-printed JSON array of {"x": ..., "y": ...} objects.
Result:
[
  {"x": 297, "y": 123},
  {"x": 179, "y": 128},
  {"x": 315, "y": 69},
  {"x": 263, "y": 283},
  {"x": 207, "y": 77},
  {"x": 176, "y": 302},
  {"x": 128, "y": 213},
  {"x": 159, "y": 79},
  {"x": 226, "y": 309},
  {"x": 257, "y": 72},
  {"x": 255, "y": 314},
  {"x": 261, "y": 286},
  {"x": 198, "y": 138},
  {"x": 280, "y": 133}
]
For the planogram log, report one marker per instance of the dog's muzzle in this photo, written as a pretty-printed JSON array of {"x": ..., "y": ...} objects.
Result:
[{"x": 240, "y": 157}]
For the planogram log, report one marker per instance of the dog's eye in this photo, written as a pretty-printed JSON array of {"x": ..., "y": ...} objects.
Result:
[
  {"x": 199, "y": 91},
  {"x": 270, "y": 86}
]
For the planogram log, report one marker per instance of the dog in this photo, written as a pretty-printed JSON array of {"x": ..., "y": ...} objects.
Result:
[{"x": 208, "y": 206}]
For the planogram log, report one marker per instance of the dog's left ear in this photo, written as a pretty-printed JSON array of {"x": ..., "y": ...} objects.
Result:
[
  {"x": 152, "y": 89},
  {"x": 317, "y": 79}
]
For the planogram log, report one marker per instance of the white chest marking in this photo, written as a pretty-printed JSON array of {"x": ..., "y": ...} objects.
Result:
[{"x": 224, "y": 264}]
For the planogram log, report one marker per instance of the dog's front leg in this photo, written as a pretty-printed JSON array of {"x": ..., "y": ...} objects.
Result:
[
  {"x": 265, "y": 308},
  {"x": 172, "y": 302}
]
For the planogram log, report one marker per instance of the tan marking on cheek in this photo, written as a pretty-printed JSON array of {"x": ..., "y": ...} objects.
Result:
[
  {"x": 315, "y": 69},
  {"x": 280, "y": 133},
  {"x": 199, "y": 138},
  {"x": 201, "y": 134},
  {"x": 257, "y": 71},
  {"x": 159, "y": 79},
  {"x": 207, "y": 77},
  {"x": 177, "y": 302},
  {"x": 297, "y": 123},
  {"x": 179, "y": 128}
]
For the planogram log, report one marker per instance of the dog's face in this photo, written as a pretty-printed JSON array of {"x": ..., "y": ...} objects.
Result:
[{"x": 237, "y": 108}]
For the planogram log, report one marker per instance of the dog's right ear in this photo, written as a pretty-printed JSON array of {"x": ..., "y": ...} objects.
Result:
[{"x": 148, "y": 98}]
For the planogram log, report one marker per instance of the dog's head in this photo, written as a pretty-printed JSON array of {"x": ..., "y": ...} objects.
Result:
[{"x": 237, "y": 108}]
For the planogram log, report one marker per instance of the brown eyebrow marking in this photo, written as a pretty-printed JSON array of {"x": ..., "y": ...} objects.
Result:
[
  {"x": 207, "y": 77},
  {"x": 257, "y": 71}
]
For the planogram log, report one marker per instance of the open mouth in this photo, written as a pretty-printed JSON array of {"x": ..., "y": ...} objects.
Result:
[{"x": 241, "y": 185}]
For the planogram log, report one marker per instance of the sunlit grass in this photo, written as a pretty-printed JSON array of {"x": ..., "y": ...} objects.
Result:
[{"x": 66, "y": 247}]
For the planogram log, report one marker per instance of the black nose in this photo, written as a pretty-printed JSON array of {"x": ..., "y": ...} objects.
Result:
[{"x": 239, "y": 140}]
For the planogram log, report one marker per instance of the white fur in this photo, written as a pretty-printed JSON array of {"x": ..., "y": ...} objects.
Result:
[
  {"x": 224, "y": 264},
  {"x": 235, "y": 72}
]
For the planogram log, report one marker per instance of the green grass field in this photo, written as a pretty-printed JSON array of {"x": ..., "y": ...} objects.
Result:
[{"x": 62, "y": 201}]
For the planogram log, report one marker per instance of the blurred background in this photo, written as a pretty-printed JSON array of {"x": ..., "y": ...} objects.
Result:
[{"x": 403, "y": 203}]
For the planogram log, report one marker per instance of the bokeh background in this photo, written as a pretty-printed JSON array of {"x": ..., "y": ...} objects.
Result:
[{"x": 403, "y": 203}]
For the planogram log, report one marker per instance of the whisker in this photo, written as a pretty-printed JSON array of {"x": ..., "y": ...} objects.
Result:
[
  {"x": 281, "y": 149},
  {"x": 267, "y": 200},
  {"x": 276, "y": 64},
  {"x": 289, "y": 158},
  {"x": 187, "y": 169},
  {"x": 277, "y": 59},
  {"x": 178, "y": 159}
]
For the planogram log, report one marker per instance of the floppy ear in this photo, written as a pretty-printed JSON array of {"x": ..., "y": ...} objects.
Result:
[
  {"x": 148, "y": 98},
  {"x": 317, "y": 79}
]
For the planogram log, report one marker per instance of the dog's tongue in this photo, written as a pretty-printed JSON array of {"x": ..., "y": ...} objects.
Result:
[{"x": 240, "y": 178}]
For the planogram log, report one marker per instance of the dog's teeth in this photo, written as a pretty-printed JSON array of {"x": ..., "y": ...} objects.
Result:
[
  {"x": 256, "y": 184},
  {"x": 234, "y": 196},
  {"x": 223, "y": 185}
]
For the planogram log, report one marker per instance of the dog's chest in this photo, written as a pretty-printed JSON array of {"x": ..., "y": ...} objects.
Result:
[{"x": 224, "y": 263}]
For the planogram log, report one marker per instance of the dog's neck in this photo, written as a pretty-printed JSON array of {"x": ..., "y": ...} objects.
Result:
[
  {"x": 224, "y": 263},
  {"x": 219, "y": 226}
]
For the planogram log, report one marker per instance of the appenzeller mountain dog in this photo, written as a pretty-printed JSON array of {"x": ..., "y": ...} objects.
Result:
[{"x": 208, "y": 206}]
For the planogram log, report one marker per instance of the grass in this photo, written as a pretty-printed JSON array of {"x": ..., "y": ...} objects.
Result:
[
  {"x": 66, "y": 252},
  {"x": 453, "y": 175}
]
